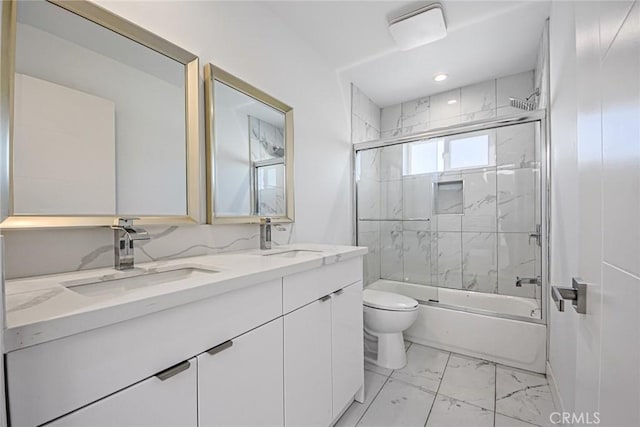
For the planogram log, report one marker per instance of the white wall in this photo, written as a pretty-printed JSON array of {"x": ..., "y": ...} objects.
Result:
[
  {"x": 247, "y": 40},
  {"x": 595, "y": 111},
  {"x": 148, "y": 110},
  {"x": 564, "y": 187}
]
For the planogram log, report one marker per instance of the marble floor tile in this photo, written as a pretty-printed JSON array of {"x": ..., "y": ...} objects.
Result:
[
  {"x": 503, "y": 421},
  {"x": 372, "y": 385},
  {"x": 470, "y": 380},
  {"x": 523, "y": 395},
  {"x": 425, "y": 366},
  {"x": 398, "y": 404},
  {"x": 448, "y": 412}
]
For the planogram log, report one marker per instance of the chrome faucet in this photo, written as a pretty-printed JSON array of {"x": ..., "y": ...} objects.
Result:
[
  {"x": 265, "y": 233},
  {"x": 528, "y": 281},
  {"x": 124, "y": 234}
]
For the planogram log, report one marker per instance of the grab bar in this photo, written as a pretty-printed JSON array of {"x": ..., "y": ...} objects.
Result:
[{"x": 577, "y": 294}]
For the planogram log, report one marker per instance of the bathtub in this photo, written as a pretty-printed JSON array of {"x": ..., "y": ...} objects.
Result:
[{"x": 466, "y": 323}]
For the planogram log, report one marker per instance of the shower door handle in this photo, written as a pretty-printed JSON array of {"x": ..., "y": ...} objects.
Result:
[{"x": 577, "y": 294}]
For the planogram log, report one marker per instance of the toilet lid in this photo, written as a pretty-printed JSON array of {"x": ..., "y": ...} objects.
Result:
[{"x": 388, "y": 300}]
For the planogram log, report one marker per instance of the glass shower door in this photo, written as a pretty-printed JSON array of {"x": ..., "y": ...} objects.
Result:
[{"x": 460, "y": 211}]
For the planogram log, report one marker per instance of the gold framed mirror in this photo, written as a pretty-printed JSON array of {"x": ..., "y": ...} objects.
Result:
[
  {"x": 249, "y": 140},
  {"x": 99, "y": 120}
]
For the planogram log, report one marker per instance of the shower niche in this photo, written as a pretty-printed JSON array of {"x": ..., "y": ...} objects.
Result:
[{"x": 448, "y": 197}]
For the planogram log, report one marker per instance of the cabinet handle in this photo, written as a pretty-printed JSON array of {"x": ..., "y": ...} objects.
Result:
[
  {"x": 325, "y": 298},
  {"x": 339, "y": 292},
  {"x": 217, "y": 349},
  {"x": 173, "y": 371}
]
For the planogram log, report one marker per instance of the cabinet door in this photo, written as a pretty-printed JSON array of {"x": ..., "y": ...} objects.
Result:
[
  {"x": 307, "y": 365},
  {"x": 167, "y": 399},
  {"x": 240, "y": 381},
  {"x": 347, "y": 336}
]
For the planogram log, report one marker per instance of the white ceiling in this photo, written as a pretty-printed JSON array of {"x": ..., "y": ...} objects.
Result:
[{"x": 486, "y": 39}]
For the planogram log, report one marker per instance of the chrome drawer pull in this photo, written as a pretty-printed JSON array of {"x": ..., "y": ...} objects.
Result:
[
  {"x": 339, "y": 292},
  {"x": 217, "y": 349},
  {"x": 173, "y": 371},
  {"x": 325, "y": 298}
]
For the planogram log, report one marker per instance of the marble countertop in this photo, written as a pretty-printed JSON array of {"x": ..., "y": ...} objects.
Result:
[{"x": 43, "y": 308}]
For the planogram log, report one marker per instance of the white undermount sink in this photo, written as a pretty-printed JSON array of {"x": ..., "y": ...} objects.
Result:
[
  {"x": 293, "y": 253},
  {"x": 122, "y": 283}
]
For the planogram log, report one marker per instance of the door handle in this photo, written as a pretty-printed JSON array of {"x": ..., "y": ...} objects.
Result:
[
  {"x": 173, "y": 371},
  {"x": 339, "y": 292},
  {"x": 577, "y": 294},
  {"x": 217, "y": 349},
  {"x": 325, "y": 298}
]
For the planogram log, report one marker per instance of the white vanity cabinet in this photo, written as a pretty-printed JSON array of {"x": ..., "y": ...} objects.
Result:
[
  {"x": 346, "y": 345},
  {"x": 307, "y": 365},
  {"x": 167, "y": 399},
  {"x": 323, "y": 354},
  {"x": 284, "y": 352},
  {"x": 49, "y": 380},
  {"x": 240, "y": 380}
]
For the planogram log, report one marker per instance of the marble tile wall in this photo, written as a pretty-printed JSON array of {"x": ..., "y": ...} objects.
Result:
[
  {"x": 365, "y": 126},
  {"x": 483, "y": 249},
  {"x": 365, "y": 117},
  {"x": 486, "y": 247},
  {"x": 474, "y": 102}
]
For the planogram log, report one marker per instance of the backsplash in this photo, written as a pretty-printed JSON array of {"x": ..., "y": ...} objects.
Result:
[{"x": 38, "y": 252}]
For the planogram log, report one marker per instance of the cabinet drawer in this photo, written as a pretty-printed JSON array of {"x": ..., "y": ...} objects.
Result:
[
  {"x": 154, "y": 402},
  {"x": 51, "y": 379},
  {"x": 303, "y": 288}
]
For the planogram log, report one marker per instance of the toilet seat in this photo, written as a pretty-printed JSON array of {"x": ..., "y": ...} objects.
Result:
[{"x": 388, "y": 301}]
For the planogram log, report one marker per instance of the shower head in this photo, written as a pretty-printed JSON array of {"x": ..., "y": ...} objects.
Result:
[{"x": 525, "y": 104}]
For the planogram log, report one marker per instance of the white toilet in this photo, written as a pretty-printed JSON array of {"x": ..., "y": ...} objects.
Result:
[{"x": 386, "y": 316}]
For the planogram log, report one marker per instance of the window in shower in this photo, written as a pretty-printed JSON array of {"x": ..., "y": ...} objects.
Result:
[
  {"x": 421, "y": 157},
  {"x": 467, "y": 152}
]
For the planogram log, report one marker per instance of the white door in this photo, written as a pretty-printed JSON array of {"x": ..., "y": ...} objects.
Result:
[
  {"x": 307, "y": 365},
  {"x": 167, "y": 399},
  {"x": 240, "y": 381},
  {"x": 608, "y": 342},
  {"x": 594, "y": 356},
  {"x": 347, "y": 351}
]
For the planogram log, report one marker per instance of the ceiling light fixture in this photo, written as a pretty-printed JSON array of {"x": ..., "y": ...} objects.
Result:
[
  {"x": 417, "y": 28},
  {"x": 440, "y": 77}
]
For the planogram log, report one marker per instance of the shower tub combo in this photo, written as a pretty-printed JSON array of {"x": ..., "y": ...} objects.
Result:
[
  {"x": 468, "y": 323},
  {"x": 453, "y": 218}
]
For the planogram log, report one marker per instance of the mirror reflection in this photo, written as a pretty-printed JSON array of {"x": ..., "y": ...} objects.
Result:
[
  {"x": 99, "y": 120},
  {"x": 251, "y": 151},
  {"x": 250, "y": 156}
]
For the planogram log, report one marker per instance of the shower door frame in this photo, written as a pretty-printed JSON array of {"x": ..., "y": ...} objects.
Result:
[{"x": 480, "y": 125}]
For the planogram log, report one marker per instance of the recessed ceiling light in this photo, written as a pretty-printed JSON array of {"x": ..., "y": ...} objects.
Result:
[
  {"x": 440, "y": 77},
  {"x": 452, "y": 101}
]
